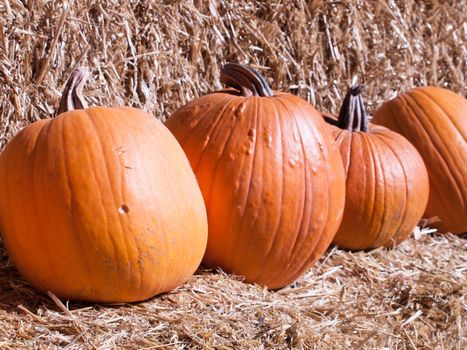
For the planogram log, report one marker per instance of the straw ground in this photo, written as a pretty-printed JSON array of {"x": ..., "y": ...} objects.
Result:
[{"x": 411, "y": 297}]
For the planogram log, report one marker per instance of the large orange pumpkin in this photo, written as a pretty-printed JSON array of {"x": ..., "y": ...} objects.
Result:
[
  {"x": 387, "y": 182},
  {"x": 271, "y": 177},
  {"x": 100, "y": 204},
  {"x": 434, "y": 120}
]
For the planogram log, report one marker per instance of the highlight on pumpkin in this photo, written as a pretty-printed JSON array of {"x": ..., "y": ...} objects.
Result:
[
  {"x": 114, "y": 212},
  {"x": 386, "y": 179}
]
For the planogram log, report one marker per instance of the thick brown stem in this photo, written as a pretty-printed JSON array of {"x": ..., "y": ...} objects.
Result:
[
  {"x": 72, "y": 97},
  {"x": 245, "y": 79},
  {"x": 352, "y": 115}
]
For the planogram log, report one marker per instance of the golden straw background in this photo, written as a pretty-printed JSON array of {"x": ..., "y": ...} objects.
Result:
[{"x": 159, "y": 55}]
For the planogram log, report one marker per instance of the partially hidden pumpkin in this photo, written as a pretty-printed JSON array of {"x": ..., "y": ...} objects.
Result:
[
  {"x": 387, "y": 182},
  {"x": 100, "y": 204},
  {"x": 434, "y": 120},
  {"x": 271, "y": 177}
]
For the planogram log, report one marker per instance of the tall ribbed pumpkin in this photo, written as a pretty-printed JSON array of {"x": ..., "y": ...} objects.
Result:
[
  {"x": 271, "y": 177},
  {"x": 434, "y": 120},
  {"x": 387, "y": 182},
  {"x": 100, "y": 204}
]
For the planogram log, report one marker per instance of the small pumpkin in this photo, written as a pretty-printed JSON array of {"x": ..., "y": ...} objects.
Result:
[
  {"x": 270, "y": 173},
  {"x": 100, "y": 204},
  {"x": 387, "y": 182},
  {"x": 434, "y": 120}
]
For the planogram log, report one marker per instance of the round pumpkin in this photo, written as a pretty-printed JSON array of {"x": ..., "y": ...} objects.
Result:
[
  {"x": 434, "y": 120},
  {"x": 387, "y": 182},
  {"x": 100, "y": 204},
  {"x": 271, "y": 177}
]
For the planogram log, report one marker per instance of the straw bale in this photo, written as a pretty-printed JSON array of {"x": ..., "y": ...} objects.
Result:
[{"x": 157, "y": 55}]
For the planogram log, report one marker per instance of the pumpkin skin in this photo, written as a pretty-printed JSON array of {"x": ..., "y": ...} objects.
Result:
[
  {"x": 387, "y": 182},
  {"x": 101, "y": 205},
  {"x": 271, "y": 177},
  {"x": 434, "y": 120}
]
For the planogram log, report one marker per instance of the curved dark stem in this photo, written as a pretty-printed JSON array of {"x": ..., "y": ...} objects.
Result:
[
  {"x": 245, "y": 79},
  {"x": 330, "y": 120},
  {"x": 72, "y": 97},
  {"x": 352, "y": 115},
  {"x": 364, "y": 119}
]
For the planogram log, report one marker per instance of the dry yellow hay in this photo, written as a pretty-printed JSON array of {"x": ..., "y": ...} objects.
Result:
[
  {"x": 157, "y": 56},
  {"x": 411, "y": 297}
]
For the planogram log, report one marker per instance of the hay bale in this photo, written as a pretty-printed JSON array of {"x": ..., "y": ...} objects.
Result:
[{"x": 157, "y": 57}]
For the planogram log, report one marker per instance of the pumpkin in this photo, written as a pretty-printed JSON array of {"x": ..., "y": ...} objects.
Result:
[
  {"x": 387, "y": 182},
  {"x": 434, "y": 120},
  {"x": 271, "y": 177},
  {"x": 100, "y": 204}
]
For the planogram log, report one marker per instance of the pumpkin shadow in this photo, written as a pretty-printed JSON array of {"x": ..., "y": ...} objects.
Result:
[{"x": 15, "y": 291}]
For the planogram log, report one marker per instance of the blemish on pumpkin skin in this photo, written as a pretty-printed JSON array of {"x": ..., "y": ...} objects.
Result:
[
  {"x": 239, "y": 111},
  {"x": 193, "y": 124},
  {"x": 196, "y": 110},
  {"x": 268, "y": 139},
  {"x": 120, "y": 150},
  {"x": 123, "y": 209}
]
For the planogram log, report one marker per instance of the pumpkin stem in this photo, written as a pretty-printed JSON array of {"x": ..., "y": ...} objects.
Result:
[
  {"x": 72, "y": 97},
  {"x": 245, "y": 79},
  {"x": 352, "y": 115}
]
